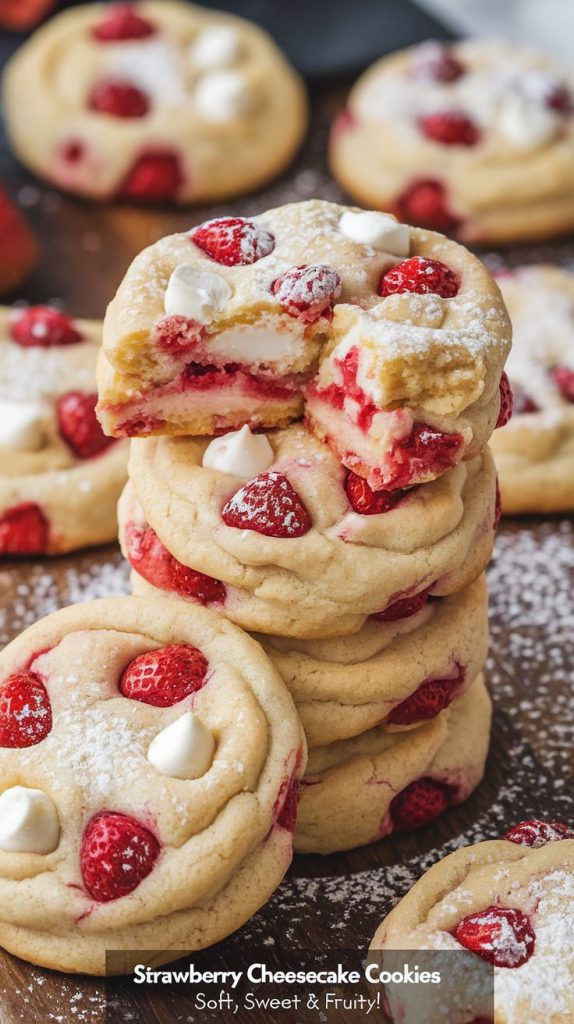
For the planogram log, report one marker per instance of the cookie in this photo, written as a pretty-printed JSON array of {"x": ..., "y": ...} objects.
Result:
[
  {"x": 535, "y": 451},
  {"x": 159, "y": 102},
  {"x": 509, "y": 902},
  {"x": 398, "y": 673},
  {"x": 291, "y": 551},
  {"x": 149, "y": 759},
  {"x": 60, "y": 477},
  {"x": 360, "y": 790},
  {"x": 391, "y": 340},
  {"x": 475, "y": 138}
]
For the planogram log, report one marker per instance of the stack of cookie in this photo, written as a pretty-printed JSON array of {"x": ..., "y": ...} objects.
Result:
[{"x": 352, "y": 544}]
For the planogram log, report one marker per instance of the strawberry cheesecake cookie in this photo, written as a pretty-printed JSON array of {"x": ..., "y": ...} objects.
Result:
[
  {"x": 474, "y": 138},
  {"x": 159, "y": 101},
  {"x": 404, "y": 667},
  {"x": 360, "y": 790},
  {"x": 60, "y": 477},
  {"x": 508, "y": 902},
  {"x": 535, "y": 452},
  {"x": 392, "y": 340},
  {"x": 149, "y": 760},
  {"x": 273, "y": 532}
]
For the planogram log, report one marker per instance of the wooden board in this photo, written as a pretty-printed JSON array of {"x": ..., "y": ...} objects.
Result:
[{"x": 337, "y": 901}]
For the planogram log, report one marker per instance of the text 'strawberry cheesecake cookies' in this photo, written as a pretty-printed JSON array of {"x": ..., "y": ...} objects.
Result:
[
  {"x": 159, "y": 101},
  {"x": 286, "y": 546},
  {"x": 509, "y": 902},
  {"x": 360, "y": 790},
  {"x": 474, "y": 138},
  {"x": 402, "y": 669},
  {"x": 228, "y": 324},
  {"x": 60, "y": 477},
  {"x": 149, "y": 759},
  {"x": 535, "y": 451}
]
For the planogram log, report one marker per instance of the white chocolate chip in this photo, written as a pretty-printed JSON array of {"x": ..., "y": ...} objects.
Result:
[
  {"x": 196, "y": 294},
  {"x": 222, "y": 96},
  {"x": 22, "y": 425},
  {"x": 378, "y": 230},
  {"x": 28, "y": 821},
  {"x": 216, "y": 47},
  {"x": 239, "y": 453},
  {"x": 184, "y": 749},
  {"x": 526, "y": 124}
]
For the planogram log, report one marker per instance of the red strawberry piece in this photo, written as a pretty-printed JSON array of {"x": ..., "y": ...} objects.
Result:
[
  {"x": 177, "y": 334},
  {"x": 119, "y": 99},
  {"x": 21, "y": 15},
  {"x": 418, "y": 804},
  {"x": 152, "y": 560},
  {"x": 435, "y": 62},
  {"x": 365, "y": 500},
  {"x": 564, "y": 379},
  {"x": 165, "y": 676},
  {"x": 346, "y": 121},
  {"x": 424, "y": 202},
  {"x": 506, "y": 401},
  {"x": 139, "y": 426},
  {"x": 73, "y": 151},
  {"x": 18, "y": 248},
  {"x": 536, "y": 833},
  {"x": 122, "y": 22},
  {"x": 23, "y": 530},
  {"x": 430, "y": 698},
  {"x": 307, "y": 292},
  {"x": 425, "y": 451},
  {"x": 559, "y": 98},
  {"x": 154, "y": 178},
  {"x": 25, "y": 710},
  {"x": 233, "y": 241},
  {"x": 79, "y": 426},
  {"x": 502, "y": 936},
  {"x": 286, "y": 805},
  {"x": 420, "y": 275},
  {"x": 403, "y": 608},
  {"x": 44, "y": 326},
  {"x": 522, "y": 403},
  {"x": 497, "y": 506},
  {"x": 268, "y": 505},
  {"x": 117, "y": 853},
  {"x": 450, "y": 128}
]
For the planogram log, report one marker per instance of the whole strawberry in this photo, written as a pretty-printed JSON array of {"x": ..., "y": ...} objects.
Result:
[
  {"x": 166, "y": 676},
  {"x": 117, "y": 853}
]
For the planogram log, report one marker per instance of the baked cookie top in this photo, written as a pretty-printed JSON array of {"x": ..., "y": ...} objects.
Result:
[
  {"x": 295, "y": 549},
  {"x": 145, "y": 754},
  {"x": 490, "y": 122},
  {"x": 508, "y": 901},
  {"x": 156, "y": 101},
  {"x": 53, "y": 453},
  {"x": 540, "y": 301},
  {"x": 535, "y": 451},
  {"x": 403, "y": 325}
]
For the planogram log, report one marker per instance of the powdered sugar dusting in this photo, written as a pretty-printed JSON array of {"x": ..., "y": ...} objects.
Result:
[{"x": 546, "y": 980}]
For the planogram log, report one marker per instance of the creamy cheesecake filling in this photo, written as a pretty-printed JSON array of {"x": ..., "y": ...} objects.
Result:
[
  {"x": 227, "y": 399},
  {"x": 391, "y": 449}
]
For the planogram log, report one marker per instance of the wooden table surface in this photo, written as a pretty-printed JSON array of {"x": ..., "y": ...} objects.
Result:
[{"x": 337, "y": 901}]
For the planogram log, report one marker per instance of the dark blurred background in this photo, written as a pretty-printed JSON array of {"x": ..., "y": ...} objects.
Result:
[{"x": 323, "y": 38}]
